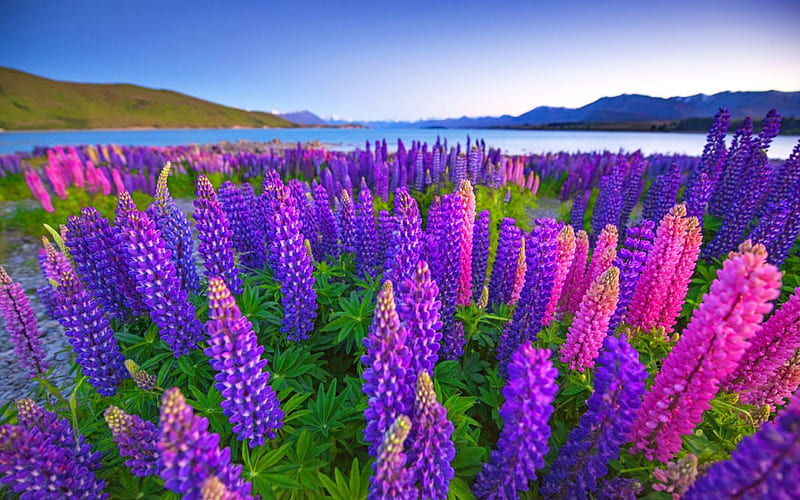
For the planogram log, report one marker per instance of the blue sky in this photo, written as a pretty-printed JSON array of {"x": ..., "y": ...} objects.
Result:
[{"x": 409, "y": 60}]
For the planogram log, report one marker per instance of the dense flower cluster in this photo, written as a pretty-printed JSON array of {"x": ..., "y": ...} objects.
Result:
[
  {"x": 418, "y": 308},
  {"x": 215, "y": 236},
  {"x": 505, "y": 262},
  {"x": 136, "y": 439},
  {"x": 20, "y": 321},
  {"x": 480, "y": 253},
  {"x": 630, "y": 261}
]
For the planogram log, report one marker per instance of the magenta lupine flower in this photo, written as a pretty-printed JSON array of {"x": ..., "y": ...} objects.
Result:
[
  {"x": 480, "y": 253},
  {"x": 775, "y": 344},
  {"x": 522, "y": 446},
  {"x": 505, "y": 262},
  {"x": 405, "y": 247},
  {"x": 565, "y": 255},
  {"x": 176, "y": 232},
  {"x": 392, "y": 479},
  {"x": 40, "y": 458},
  {"x": 630, "y": 261},
  {"x": 603, "y": 429},
  {"x": 136, "y": 439},
  {"x": 189, "y": 454},
  {"x": 603, "y": 255},
  {"x": 329, "y": 243},
  {"x": 21, "y": 325},
  {"x": 590, "y": 326},
  {"x": 367, "y": 244},
  {"x": 780, "y": 387},
  {"x": 519, "y": 275},
  {"x": 664, "y": 282},
  {"x": 432, "y": 447},
  {"x": 572, "y": 292},
  {"x": 234, "y": 353},
  {"x": 157, "y": 283},
  {"x": 764, "y": 465},
  {"x": 214, "y": 234},
  {"x": 292, "y": 267},
  {"x": 467, "y": 196},
  {"x": 709, "y": 349},
  {"x": 388, "y": 383},
  {"x": 38, "y": 190},
  {"x": 445, "y": 270},
  {"x": 96, "y": 349},
  {"x": 418, "y": 308}
]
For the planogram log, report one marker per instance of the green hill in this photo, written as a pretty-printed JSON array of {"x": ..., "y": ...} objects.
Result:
[{"x": 30, "y": 102}]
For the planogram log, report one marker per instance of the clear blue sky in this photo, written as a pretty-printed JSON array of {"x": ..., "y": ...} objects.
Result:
[{"x": 408, "y": 60}]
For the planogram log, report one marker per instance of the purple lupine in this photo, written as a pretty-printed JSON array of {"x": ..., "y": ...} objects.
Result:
[
  {"x": 141, "y": 378},
  {"x": 96, "y": 349},
  {"x": 347, "y": 221},
  {"x": 779, "y": 227},
  {"x": 579, "y": 203},
  {"x": 418, "y": 308},
  {"x": 366, "y": 239},
  {"x": 608, "y": 208},
  {"x": 388, "y": 382},
  {"x": 254, "y": 224},
  {"x": 770, "y": 128},
  {"x": 386, "y": 227},
  {"x": 249, "y": 245},
  {"x": 445, "y": 270},
  {"x": 176, "y": 231},
  {"x": 189, "y": 454},
  {"x": 20, "y": 321},
  {"x": 630, "y": 261},
  {"x": 764, "y": 465},
  {"x": 157, "y": 282},
  {"x": 136, "y": 439},
  {"x": 392, "y": 479},
  {"x": 505, "y": 262},
  {"x": 480, "y": 253},
  {"x": 620, "y": 488},
  {"x": 215, "y": 236},
  {"x": 730, "y": 176},
  {"x": 405, "y": 247},
  {"x": 292, "y": 267},
  {"x": 705, "y": 178},
  {"x": 432, "y": 447},
  {"x": 603, "y": 429},
  {"x": 329, "y": 246},
  {"x": 522, "y": 446},
  {"x": 234, "y": 353},
  {"x": 92, "y": 244},
  {"x": 40, "y": 458},
  {"x": 663, "y": 194},
  {"x": 540, "y": 257}
]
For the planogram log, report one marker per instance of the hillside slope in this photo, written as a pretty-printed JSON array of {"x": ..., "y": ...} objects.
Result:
[{"x": 29, "y": 102}]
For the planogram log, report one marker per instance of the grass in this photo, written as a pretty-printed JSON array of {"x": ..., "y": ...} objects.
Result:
[{"x": 29, "y": 102}]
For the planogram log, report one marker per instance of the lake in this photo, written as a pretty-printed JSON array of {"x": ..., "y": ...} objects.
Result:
[{"x": 510, "y": 141}]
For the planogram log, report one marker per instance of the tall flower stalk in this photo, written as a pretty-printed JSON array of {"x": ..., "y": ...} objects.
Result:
[{"x": 20, "y": 321}]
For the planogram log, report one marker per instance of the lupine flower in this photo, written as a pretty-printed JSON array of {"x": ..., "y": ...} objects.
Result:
[
  {"x": 96, "y": 349},
  {"x": 709, "y": 349},
  {"x": 366, "y": 244},
  {"x": 778, "y": 228},
  {"x": 608, "y": 207},
  {"x": 20, "y": 321},
  {"x": 579, "y": 209},
  {"x": 214, "y": 234},
  {"x": 158, "y": 284},
  {"x": 176, "y": 232},
  {"x": 565, "y": 254},
  {"x": 605, "y": 251},
  {"x": 466, "y": 238},
  {"x": 590, "y": 326},
  {"x": 519, "y": 275},
  {"x": 779, "y": 387},
  {"x": 189, "y": 454},
  {"x": 388, "y": 382},
  {"x": 432, "y": 447},
  {"x": 445, "y": 270},
  {"x": 392, "y": 479},
  {"x": 630, "y": 261},
  {"x": 677, "y": 477},
  {"x": 573, "y": 286},
  {"x": 38, "y": 190},
  {"x": 39, "y": 458},
  {"x": 125, "y": 206},
  {"x": 522, "y": 446},
  {"x": 347, "y": 228},
  {"x": 603, "y": 429},
  {"x": 418, "y": 308},
  {"x": 136, "y": 439},
  {"x": 505, "y": 262},
  {"x": 246, "y": 237},
  {"x": 480, "y": 253},
  {"x": 764, "y": 465},
  {"x": 329, "y": 246},
  {"x": 664, "y": 282},
  {"x": 702, "y": 183},
  {"x": 292, "y": 268},
  {"x": 386, "y": 227},
  {"x": 234, "y": 353},
  {"x": 141, "y": 378},
  {"x": 483, "y": 301},
  {"x": 775, "y": 344},
  {"x": 526, "y": 323},
  {"x": 729, "y": 180},
  {"x": 214, "y": 489},
  {"x": 620, "y": 488},
  {"x": 405, "y": 247}
]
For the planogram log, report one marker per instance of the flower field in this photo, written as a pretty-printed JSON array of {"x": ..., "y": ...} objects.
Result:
[{"x": 406, "y": 324}]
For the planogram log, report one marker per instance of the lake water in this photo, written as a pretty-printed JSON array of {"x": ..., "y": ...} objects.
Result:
[{"x": 510, "y": 141}]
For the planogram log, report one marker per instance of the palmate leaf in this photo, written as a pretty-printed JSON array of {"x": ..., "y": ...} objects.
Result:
[
  {"x": 326, "y": 414},
  {"x": 261, "y": 467},
  {"x": 351, "y": 320},
  {"x": 296, "y": 367},
  {"x": 356, "y": 485}
]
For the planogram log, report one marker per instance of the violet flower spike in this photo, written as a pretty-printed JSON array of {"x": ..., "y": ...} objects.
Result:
[{"x": 22, "y": 327}]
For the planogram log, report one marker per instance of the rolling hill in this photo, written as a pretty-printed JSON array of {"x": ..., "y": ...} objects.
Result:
[{"x": 30, "y": 102}]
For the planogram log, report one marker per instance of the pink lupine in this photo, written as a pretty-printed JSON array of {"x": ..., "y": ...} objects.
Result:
[
  {"x": 468, "y": 223},
  {"x": 779, "y": 387},
  {"x": 119, "y": 184},
  {"x": 605, "y": 251},
  {"x": 565, "y": 254},
  {"x": 665, "y": 280},
  {"x": 519, "y": 275},
  {"x": 571, "y": 294},
  {"x": 708, "y": 351},
  {"x": 38, "y": 190},
  {"x": 590, "y": 326}
]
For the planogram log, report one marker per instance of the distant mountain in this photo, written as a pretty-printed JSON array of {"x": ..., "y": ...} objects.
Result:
[
  {"x": 303, "y": 118},
  {"x": 628, "y": 108},
  {"x": 29, "y": 102}
]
